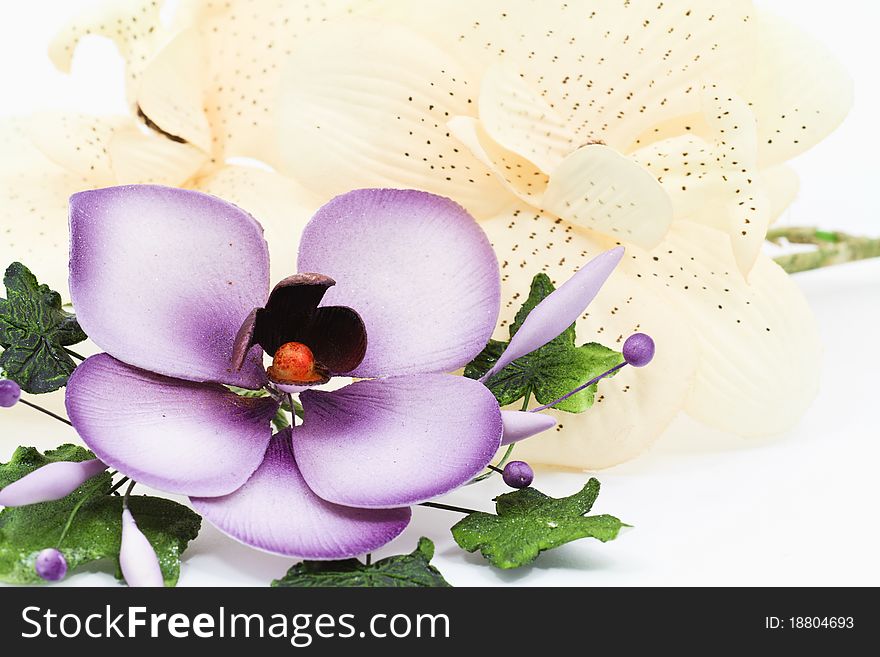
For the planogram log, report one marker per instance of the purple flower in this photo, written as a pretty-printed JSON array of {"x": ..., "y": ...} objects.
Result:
[{"x": 397, "y": 288}]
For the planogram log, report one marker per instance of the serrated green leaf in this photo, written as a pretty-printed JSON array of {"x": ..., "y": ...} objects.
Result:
[
  {"x": 550, "y": 371},
  {"x": 96, "y": 528},
  {"x": 34, "y": 329},
  {"x": 529, "y": 522},
  {"x": 403, "y": 570}
]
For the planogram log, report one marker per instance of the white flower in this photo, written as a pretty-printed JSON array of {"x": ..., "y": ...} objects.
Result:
[{"x": 565, "y": 127}]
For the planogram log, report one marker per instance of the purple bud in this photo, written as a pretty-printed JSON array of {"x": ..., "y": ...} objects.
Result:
[
  {"x": 519, "y": 425},
  {"x": 50, "y": 482},
  {"x": 559, "y": 310},
  {"x": 137, "y": 558},
  {"x": 51, "y": 565},
  {"x": 518, "y": 474},
  {"x": 10, "y": 393},
  {"x": 638, "y": 350}
]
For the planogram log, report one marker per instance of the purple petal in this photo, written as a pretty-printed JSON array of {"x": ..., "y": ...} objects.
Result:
[
  {"x": 137, "y": 558},
  {"x": 519, "y": 425},
  {"x": 178, "y": 436},
  {"x": 559, "y": 310},
  {"x": 277, "y": 512},
  {"x": 416, "y": 267},
  {"x": 397, "y": 441},
  {"x": 50, "y": 482},
  {"x": 163, "y": 278}
]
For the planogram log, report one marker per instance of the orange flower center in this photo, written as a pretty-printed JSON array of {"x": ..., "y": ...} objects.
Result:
[{"x": 294, "y": 362}]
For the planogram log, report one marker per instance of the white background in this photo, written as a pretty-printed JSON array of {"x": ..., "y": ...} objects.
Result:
[{"x": 708, "y": 509}]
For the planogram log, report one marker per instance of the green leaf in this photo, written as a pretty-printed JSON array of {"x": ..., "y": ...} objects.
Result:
[
  {"x": 550, "y": 371},
  {"x": 34, "y": 330},
  {"x": 95, "y": 530},
  {"x": 403, "y": 570},
  {"x": 529, "y": 522}
]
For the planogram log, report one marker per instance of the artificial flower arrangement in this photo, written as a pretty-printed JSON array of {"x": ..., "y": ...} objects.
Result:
[
  {"x": 496, "y": 150},
  {"x": 395, "y": 288}
]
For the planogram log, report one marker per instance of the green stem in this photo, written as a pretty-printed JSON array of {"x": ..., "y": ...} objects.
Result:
[
  {"x": 70, "y": 521},
  {"x": 833, "y": 248},
  {"x": 368, "y": 559}
]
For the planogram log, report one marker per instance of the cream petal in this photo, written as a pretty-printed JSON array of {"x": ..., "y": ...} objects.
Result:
[
  {"x": 610, "y": 70},
  {"x": 112, "y": 150},
  {"x": 800, "y": 92},
  {"x": 33, "y": 215},
  {"x": 518, "y": 118},
  {"x": 133, "y": 25},
  {"x": 780, "y": 185},
  {"x": 758, "y": 344},
  {"x": 140, "y": 155},
  {"x": 633, "y": 408},
  {"x": 716, "y": 181},
  {"x": 516, "y": 173},
  {"x": 372, "y": 112},
  {"x": 280, "y": 204},
  {"x": 77, "y": 142},
  {"x": 171, "y": 89},
  {"x": 247, "y": 43},
  {"x": 598, "y": 188}
]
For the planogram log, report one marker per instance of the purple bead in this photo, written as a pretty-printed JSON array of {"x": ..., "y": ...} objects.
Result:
[
  {"x": 10, "y": 393},
  {"x": 51, "y": 565},
  {"x": 518, "y": 474},
  {"x": 638, "y": 350}
]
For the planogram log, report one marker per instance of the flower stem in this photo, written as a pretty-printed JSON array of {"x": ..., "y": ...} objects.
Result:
[
  {"x": 833, "y": 248},
  {"x": 119, "y": 484},
  {"x": 579, "y": 388},
  {"x": 71, "y": 352},
  {"x": 368, "y": 559},
  {"x": 47, "y": 412},
  {"x": 448, "y": 507}
]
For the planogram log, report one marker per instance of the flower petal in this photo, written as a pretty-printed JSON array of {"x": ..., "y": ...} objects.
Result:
[
  {"x": 170, "y": 91},
  {"x": 163, "y": 278},
  {"x": 634, "y": 407},
  {"x": 416, "y": 268},
  {"x": 560, "y": 309},
  {"x": 609, "y": 69},
  {"x": 178, "y": 436},
  {"x": 33, "y": 215},
  {"x": 397, "y": 441},
  {"x": 50, "y": 482},
  {"x": 758, "y": 344},
  {"x": 372, "y": 112},
  {"x": 518, "y": 118},
  {"x": 716, "y": 181},
  {"x": 516, "y": 173},
  {"x": 598, "y": 188},
  {"x": 519, "y": 425},
  {"x": 800, "y": 92},
  {"x": 277, "y": 512}
]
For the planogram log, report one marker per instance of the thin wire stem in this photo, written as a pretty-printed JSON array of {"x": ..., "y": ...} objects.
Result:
[
  {"x": 47, "y": 412},
  {"x": 448, "y": 507},
  {"x": 579, "y": 388},
  {"x": 71, "y": 352}
]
